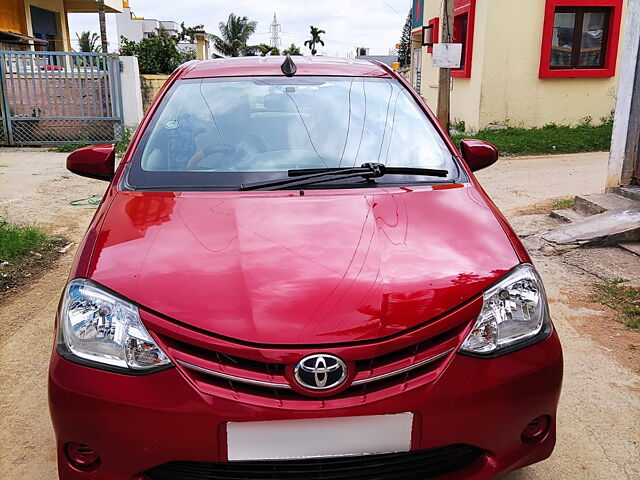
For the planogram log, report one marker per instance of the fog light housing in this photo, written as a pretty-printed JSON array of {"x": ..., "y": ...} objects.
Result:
[
  {"x": 537, "y": 430},
  {"x": 82, "y": 457}
]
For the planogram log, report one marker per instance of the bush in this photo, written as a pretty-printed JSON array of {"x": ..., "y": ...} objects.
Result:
[
  {"x": 122, "y": 145},
  {"x": 157, "y": 53}
]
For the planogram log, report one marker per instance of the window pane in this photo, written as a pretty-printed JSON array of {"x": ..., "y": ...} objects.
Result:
[
  {"x": 562, "y": 41},
  {"x": 593, "y": 27},
  {"x": 460, "y": 23},
  {"x": 250, "y": 126}
]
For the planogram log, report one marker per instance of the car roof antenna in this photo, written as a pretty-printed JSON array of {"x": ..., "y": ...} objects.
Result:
[{"x": 288, "y": 67}]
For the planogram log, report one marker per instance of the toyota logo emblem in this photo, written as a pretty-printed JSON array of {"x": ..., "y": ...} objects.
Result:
[{"x": 320, "y": 372}]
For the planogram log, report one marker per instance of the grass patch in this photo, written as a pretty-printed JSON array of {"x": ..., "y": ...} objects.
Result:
[
  {"x": 24, "y": 252},
  {"x": 17, "y": 240},
  {"x": 549, "y": 139},
  {"x": 67, "y": 147},
  {"x": 564, "y": 204},
  {"x": 624, "y": 300}
]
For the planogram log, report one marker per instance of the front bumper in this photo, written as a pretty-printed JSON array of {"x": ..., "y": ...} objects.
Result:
[{"x": 136, "y": 423}]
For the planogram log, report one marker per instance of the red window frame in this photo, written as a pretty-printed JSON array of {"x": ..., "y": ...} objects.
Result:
[
  {"x": 434, "y": 23},
  {"x": 468, "y": 8},
  {"x": 612, "y": 40}
]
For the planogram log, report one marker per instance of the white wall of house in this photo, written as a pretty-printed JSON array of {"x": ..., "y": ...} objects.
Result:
[
  {"x": 131, "y": 91},
  {"x": 127, "y": 27},
  {"x": 625, "y": 141},
  {"x": 135, "y": 29}
]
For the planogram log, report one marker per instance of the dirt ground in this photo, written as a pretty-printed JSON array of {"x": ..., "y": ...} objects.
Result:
[{"x": 599, "y": 414}]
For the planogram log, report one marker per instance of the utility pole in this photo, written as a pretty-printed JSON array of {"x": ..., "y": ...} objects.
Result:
[
  {"x": 103, "y": 25},
  {"x": 444, "y": 80}
]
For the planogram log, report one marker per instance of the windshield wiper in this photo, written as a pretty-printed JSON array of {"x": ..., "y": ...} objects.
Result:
[{"x": 367, "y": 171}]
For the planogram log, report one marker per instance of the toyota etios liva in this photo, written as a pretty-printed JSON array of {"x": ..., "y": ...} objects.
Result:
[{"x": 294, "y": 274}]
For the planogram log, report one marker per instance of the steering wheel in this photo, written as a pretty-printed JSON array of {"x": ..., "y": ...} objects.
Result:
[{"x": 211, "y": 150}]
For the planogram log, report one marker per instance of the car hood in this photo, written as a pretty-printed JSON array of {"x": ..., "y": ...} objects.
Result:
[{"x": 283, "y": 268}]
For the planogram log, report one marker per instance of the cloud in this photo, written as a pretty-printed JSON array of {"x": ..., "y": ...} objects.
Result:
[{"x": 348, "y": 23}]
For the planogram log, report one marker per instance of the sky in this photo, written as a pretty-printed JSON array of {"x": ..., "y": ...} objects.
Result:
[{"x": 376, "y": 24}]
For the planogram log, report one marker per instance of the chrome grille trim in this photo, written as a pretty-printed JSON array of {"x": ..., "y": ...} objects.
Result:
[
  {"x": 233, "y": 378},
  {"x": 403, "y": 370},
  {"x": 285, "y": 386}
]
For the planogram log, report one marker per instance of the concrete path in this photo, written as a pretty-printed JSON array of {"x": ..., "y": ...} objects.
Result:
[{"x": 523, "y": 183}]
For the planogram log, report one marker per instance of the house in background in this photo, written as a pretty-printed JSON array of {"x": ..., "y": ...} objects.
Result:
[
  {"x": 524, "y": 62},
  {"x": 136, "y": 28},
  {"x": 42, "y": 24},
  {"x": 362, "y": 53}
]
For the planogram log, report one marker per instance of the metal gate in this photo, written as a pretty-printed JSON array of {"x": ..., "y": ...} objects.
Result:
[{"x": 59, "y": 97}]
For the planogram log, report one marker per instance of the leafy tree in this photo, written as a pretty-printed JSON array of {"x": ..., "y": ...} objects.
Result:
[
  {"x": 315, "y": 39},
  {"x": 189, "y": 33},
  {"x": 263, "y": 49},
  {"x": 157, "y": 53},
  {"x": 88, "y": 42},
  {"x": 234, "y": 34},
  {"x": 404, "y": 53},
  {"x": 292, "y": 50}
]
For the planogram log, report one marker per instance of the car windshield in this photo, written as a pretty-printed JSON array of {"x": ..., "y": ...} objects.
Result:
[{"x": 225, "y": 132}]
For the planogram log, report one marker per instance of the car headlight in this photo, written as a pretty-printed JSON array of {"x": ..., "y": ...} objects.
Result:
[
  {"x": 514, "y": 314},
  {"x": 102, "y": 329}
]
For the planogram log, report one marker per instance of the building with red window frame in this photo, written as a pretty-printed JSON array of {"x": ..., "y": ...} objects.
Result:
[{"x": 524, "y": 62}]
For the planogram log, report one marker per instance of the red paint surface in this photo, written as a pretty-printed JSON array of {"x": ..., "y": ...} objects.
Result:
[
  {"x": 478, "y": 154},
  {"x": 257, "y": 66},
  {"x": 435, "y": 25},
  {"x": 96, "y": 161},
  {"x": 468, "y": 7},
  {"x": 268, "y": 276},
  {"x": 615, "y": 20},
  {"x": 329, "y": 266}
]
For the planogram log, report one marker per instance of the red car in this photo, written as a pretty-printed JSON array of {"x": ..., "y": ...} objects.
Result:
[{"x": 295, "y": 275}]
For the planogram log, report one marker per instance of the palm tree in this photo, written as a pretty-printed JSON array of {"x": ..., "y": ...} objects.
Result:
[
  {"x": 314, "y": 40},
  {"x": 88, "y": 42},
  {"x": 103, "y": 26},
  {"x": 234, "y": 34}
]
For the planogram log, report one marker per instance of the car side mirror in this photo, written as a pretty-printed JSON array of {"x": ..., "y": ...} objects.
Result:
[
  {"x": 96, "y": 161},
  {"x": 478, "y": 154}
]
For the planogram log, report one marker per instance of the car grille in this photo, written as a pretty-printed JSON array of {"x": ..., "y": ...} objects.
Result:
[
  {"x": 415, "y": 465},
  {"x": 263, "y": 374},
  {"x": 251, "y": 381}
]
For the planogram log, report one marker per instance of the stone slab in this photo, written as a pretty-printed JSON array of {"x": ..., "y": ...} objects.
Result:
[
  {"x": 608, "y": 228},
  {"x": 568, "y": 215},
  {"x": 633, "y": 247},
  {"x": 594, "y": 204}
]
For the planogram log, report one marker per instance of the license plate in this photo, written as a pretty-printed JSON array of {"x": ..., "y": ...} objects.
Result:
[{"x": 319, "y": 437}]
